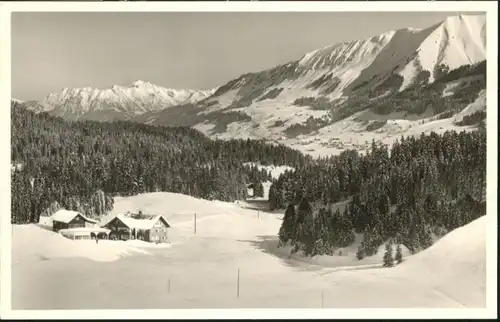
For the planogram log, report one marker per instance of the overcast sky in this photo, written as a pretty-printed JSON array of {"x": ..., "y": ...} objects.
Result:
[{"x": 51, "y": 51}]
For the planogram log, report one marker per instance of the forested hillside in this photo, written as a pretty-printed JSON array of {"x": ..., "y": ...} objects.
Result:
[
  {"x": 61, "y": 160},
  {"x": 419, "y": 190}
]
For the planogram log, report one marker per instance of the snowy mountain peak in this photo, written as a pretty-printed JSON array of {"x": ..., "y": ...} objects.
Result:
[
  {"x": 457, "y": 41},
  {"x": 330, "y": 87},
  {"x": 320, "y": 90},
  {"x": 345, "y": 53},
  {"x": 116, "y": 102},
  {"x": 140, "y": 83},
  {"x": 15, "y": 100}
]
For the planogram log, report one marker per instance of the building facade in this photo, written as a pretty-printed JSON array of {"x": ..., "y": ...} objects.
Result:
[
  {"x": 149, "y": 228},
  {"x": 67, "y": 219}
]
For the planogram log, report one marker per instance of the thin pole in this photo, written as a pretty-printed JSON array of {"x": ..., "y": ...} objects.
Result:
[
  {"x": 322, "y": 299},
  {"x": 238, "y": 285},
  {"x": 169, "y": 285},
  {"x": 195, "y": 223},
  {"x": 258, "y": 213}
]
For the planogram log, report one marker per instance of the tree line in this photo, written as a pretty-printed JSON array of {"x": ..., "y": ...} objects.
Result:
[
  {"x": 420, "y": 189},
  {"x": 62, "y": 160}
]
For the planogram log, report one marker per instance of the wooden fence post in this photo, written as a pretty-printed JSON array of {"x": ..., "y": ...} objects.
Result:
[{"x": 238, "y": 285}]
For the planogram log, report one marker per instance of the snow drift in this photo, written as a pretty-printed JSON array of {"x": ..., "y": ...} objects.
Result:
[
  {"x": 455, "y": 265},
  {"x": 450, "y": 274},
  {"x": 33, "y": 243}
]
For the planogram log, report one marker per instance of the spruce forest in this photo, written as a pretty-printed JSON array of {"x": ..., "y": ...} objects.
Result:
[
  {"x": 420, "y": 189},
  {"x": 71, "y": 162}
]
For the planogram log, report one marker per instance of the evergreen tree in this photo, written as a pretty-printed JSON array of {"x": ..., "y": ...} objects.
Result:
[
  {"x": 304, "y": 210},
  {"x": 360, "y": 253},
  {"x": 307, "y": 236},
  {"x": 287, "y": 229},
  {"x": 399, "y": 254},
  {"x": 425, "y": 184},
  {"x": 322, "y": 231},
  {"x": 258, "y": 190},
  {"x": 388, "y": 259},
  {"x": 304, "y": 232},
  {"x": 69, "y": 162}
]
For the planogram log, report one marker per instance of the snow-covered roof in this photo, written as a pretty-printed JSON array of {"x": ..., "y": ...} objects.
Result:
[
  {"x": 66, "y": 216},
  {"x": 140, "y": 223}
]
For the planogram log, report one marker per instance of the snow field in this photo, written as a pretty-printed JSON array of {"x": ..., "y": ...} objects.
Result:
[
  {"x": 456, "y": 41},
  {"x": 201, "y": 270}
]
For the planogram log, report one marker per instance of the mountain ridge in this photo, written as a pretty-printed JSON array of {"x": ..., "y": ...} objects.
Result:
[
  {"x": 118, "y": 101},
  {"x": 296, "y": 100}
]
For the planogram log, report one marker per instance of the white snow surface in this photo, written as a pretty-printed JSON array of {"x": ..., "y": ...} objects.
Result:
[
  {"x": 137, "y": 223},
  {"x": 15, "y": 100},
  {"x": 456, "y": 41},
  {"x": 351, "y": 132},
  {"x": 478, "y": 105},
  {"x": 201, "y": 270},
  {"x": 136, "y": 98},
  {"x": 275, "y": 171},
  {"x": 65, "y": 216},
  {"x": 33, "y": 243}
]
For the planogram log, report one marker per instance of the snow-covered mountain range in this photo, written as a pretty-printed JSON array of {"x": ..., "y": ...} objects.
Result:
[
  {"x": 115, "y": 103},
  {"x": 340, "y": 96}
]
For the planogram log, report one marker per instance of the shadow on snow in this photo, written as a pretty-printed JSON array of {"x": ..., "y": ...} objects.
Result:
[{"x": 269, "y": 244}]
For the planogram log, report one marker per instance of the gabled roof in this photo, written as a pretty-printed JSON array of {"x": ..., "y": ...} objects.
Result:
[
  {"x": 140, "y": 223},
  {"x": 66, "y": 216}
]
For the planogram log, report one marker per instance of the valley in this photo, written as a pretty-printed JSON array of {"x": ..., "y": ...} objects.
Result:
[
  {"x": 200, "y": 270},
  {"x": 424, "y": 74},
  {"x": 353, "y": 176}
]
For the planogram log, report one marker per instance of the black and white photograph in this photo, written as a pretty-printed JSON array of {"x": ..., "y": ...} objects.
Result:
[{"x": 238, "y": 156}]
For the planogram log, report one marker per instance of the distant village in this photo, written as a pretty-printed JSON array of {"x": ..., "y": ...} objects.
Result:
[{"x": 128, "y": 226}]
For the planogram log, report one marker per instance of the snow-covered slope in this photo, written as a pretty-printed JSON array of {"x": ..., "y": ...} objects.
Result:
[
  {"x": 455, "y": 265},
  {"x": 457, "y": 41},
  {"x": 37, "y": 243},
  {"x": 324, "y": 91},
  {"x": 15, "y": 100},
  {"x": 478, "y": 105},
  {"x": 274, "y": 171},
  {"x": 328, "y": 84},
  {"x": 200, "y": 270},
  {"x": 117, "y": 102}
]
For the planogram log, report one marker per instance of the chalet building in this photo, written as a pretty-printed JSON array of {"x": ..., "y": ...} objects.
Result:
[
  {"x": 74, "y": 225},
  {"x": 67, "y": 219},
  {"x": 149, "y": 228}
]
